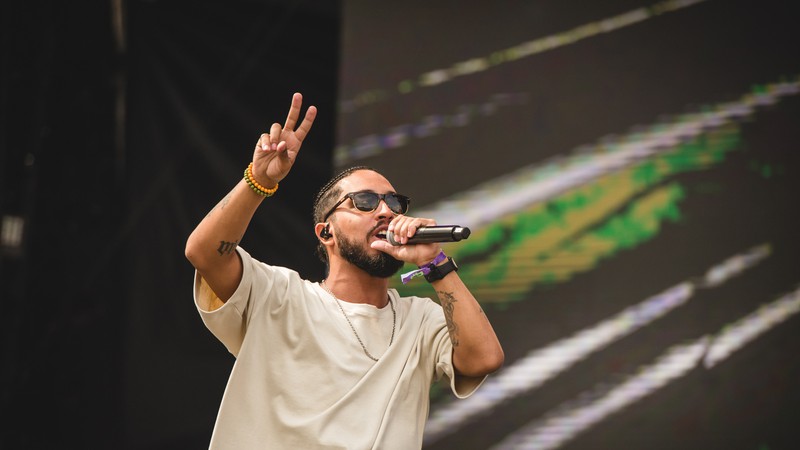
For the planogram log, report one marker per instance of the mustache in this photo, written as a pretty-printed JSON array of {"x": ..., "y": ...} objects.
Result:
[{"x": 372, "y": 231}]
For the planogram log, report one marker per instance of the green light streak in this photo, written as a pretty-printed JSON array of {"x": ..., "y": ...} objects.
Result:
[{"x": 551, "y": 242}]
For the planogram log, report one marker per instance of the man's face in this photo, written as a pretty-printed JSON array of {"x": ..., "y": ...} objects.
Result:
[{"x": 354, "y": 229}]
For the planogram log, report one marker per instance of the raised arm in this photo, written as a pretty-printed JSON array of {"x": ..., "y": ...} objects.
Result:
[
  {"x": 211, "y": 246},
  {"x": 476, "y": 349}
]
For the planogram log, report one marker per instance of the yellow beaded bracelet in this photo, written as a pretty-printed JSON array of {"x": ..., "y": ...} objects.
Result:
[{"x": 257, "y": 188}]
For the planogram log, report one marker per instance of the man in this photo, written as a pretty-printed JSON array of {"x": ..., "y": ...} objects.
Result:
[{"x": 345, "y": 363}]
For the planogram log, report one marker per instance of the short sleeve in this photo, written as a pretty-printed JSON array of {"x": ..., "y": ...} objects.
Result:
[{"x": 228, "y": 321}]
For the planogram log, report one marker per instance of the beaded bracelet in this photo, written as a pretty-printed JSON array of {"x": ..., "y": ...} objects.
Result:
[{"x": 257, "y": 188}]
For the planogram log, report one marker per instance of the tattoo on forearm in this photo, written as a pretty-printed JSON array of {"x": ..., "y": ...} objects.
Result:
[
  {"x": 221, "y": 204},
  {"x": 226, "y": 248},
  {"x": 224, "y": 202},
  {"x": 447, "y": 299}
]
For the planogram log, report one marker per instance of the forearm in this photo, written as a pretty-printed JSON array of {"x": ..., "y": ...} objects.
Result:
[
  {"x": 211, "y": 248},
  {"x": 476, "y": 349}
]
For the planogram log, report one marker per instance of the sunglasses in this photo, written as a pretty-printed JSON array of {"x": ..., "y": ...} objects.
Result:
[{"x": 366, "y": 201}]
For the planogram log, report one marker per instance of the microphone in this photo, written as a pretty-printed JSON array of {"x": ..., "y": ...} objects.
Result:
[{"x": 436, "y": 233}]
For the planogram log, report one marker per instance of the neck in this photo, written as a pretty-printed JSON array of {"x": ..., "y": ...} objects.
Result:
[{"x": 356, "y": 286}]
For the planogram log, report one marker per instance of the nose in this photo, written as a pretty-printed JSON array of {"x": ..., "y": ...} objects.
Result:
[{"x": 383, "y": 209}]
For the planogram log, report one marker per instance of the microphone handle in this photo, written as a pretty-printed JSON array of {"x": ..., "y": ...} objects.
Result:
[{"x": 438, "y": 233}]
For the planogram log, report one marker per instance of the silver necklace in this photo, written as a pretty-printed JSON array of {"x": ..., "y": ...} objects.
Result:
[{"x": 364, "y": 347}]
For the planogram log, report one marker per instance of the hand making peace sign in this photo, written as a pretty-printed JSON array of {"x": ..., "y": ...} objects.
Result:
[{"x": 277, "y": 150}]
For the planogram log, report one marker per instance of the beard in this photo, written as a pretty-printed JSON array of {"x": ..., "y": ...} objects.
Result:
[{"x": 381, "y": 265}]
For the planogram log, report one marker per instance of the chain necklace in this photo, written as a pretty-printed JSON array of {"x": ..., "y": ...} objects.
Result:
[{"x": 339, "y": 303}]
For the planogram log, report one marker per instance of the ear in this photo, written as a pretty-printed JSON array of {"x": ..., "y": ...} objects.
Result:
[{"x": 323, "y": 230}]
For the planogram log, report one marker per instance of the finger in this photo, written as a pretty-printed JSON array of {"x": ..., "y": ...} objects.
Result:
[
  {"x": 395, "y": 222},
  {"x": 274, "y": 135},
  {"x": 420, "y": 222},
  {"x": 409, "y": 226},
  {"x": 412, "y": 228},
  {"x": 263, "y": 142},
  {"x": 401, "y": 227},
  {"x": 384, "y": 247},
  {"x": 294, "y": 111},
  {"x": 308, "y": 120}
]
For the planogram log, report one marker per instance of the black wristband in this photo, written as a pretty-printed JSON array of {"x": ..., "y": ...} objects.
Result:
[{"x": 438, "y": 272}]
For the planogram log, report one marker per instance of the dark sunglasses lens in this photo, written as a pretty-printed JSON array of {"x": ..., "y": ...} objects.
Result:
[
  {"x": 397, "y": 203},
  {"x": 366, "y": 201},
  {"x": 369, "y": 201}
]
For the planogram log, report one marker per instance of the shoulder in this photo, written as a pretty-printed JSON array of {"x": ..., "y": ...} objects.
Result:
[
  {"x": 257, "y": 268},
  {"x": 276, "y": 283}
]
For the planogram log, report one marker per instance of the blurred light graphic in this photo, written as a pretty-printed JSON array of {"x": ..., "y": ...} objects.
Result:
[
  {"x": 571, "y": 419},
  {"x": 526, "y": 49},
  {"x": 542, "y": 364},
  {"x": 738, "y": 334},
  {"x": 538, "y": 182},
  {"x": 576, "y": 416}
]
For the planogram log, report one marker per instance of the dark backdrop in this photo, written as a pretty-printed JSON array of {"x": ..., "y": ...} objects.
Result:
[{"x": 103, "y": 347}]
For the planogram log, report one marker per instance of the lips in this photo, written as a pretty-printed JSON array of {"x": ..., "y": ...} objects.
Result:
[{"x": 380, "y": 233}]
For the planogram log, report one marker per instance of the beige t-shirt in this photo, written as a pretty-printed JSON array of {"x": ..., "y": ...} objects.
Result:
[{"x": 301, "y": 379}]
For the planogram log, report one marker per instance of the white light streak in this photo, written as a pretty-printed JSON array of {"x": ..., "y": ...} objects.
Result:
[
  {"x": 738, "y": 334},
  {"x": 543, "y": 364},
  {"x": 734, "y": 265},
  {"x": 519, "y": 51},
  {"x": 571, "y": 419}
]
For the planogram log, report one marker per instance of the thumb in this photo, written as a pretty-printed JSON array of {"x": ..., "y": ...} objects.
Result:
[{"x": 383, "y": 246}]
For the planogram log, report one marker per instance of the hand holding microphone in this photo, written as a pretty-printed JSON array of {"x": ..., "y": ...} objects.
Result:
[{"x": 433, "y": 233}]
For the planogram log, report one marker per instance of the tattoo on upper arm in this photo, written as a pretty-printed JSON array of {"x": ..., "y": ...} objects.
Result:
[
  {"x": 447, "y": 299},
  {"x": 226, "y": 248}
]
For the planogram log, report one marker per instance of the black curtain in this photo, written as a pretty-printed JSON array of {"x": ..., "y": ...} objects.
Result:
[
  {"x": 61, "y": 285},
  {"x": 112, "y": 151}
]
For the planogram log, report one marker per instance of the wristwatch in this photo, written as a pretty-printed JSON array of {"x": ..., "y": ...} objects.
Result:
[{"x": 436, "y": 273}]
